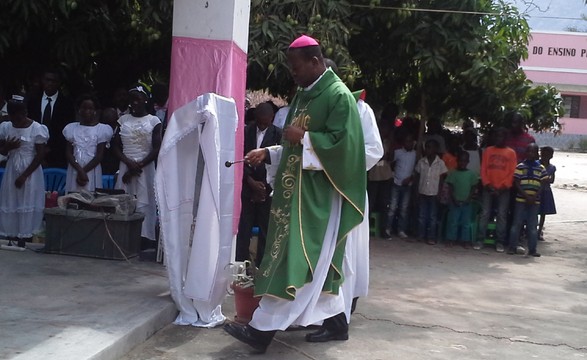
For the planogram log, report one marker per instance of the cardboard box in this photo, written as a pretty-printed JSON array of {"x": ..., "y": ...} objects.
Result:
[{"x": 92, "y": 233}]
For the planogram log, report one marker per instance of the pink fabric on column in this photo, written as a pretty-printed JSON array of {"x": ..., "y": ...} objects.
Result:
[{"x": 200, "y": 66}]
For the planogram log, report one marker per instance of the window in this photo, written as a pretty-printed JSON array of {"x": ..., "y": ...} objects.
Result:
[{"x": 571, "y": 105}]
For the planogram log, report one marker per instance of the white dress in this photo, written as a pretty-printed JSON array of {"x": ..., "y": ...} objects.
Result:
[
  {"x": 21, "y": 210},
  {"x": 136, "y": 135},
  {"x": 85, "y": 140}
]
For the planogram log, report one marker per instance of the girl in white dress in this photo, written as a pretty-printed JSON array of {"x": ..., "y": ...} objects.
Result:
[
  {"x": 137, "y": 144},
  {"x": 86, "y": 141},
  {"x": 22, "y": 192}
]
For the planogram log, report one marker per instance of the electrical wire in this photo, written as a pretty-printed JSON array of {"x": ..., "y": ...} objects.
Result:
[
  {"x": 461, "y": 12},
  {"x": 427, "y": 10}
]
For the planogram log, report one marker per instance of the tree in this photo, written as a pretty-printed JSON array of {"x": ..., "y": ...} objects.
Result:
[
  {"x": 451, "y": 56},
  {"x": 456, "y": 56},
  {"x": 100, "y": 44},
  {"x": 433, "y": 57},
  {"x": 274, "y": 24}
]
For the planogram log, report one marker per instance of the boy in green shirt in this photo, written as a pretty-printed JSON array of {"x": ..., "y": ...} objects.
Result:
[{"x": 462, "y": 183}]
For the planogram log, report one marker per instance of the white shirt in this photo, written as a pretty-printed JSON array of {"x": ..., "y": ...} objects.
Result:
[
  {"x": 404, "y": 164},
  {"x": 280, "y": 116},
  {"x": 373, "y": 144},
  {"x": 260, "y": 136},
  {"x": 44, "y": 102},
  {"x": 474, "y": 161},
  {"x": 430, "y": 175}
]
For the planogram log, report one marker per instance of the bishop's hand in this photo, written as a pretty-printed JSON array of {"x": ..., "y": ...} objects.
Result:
[
  {"x": 294, "y": 134},
  {"x": 256, "y": 156}
]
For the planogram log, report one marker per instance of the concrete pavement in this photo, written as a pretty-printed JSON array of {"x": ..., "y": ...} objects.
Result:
[
  {"x": 426, "y": 302},
  {"x": 434, "y": 302},
  {"x": 65, "y": 307}
]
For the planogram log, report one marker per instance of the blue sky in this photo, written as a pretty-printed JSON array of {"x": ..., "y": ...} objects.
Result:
[{"x": 553, "y": 15}]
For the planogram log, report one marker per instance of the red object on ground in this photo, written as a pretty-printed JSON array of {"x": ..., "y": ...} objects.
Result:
[{"x": 244, "y": 303}]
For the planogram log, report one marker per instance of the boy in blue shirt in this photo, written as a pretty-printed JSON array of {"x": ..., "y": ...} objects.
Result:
[{"x": 404, "y": 160}]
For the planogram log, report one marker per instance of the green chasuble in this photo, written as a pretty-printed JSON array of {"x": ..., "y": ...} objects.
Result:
[{"x": 302, "y": 199}]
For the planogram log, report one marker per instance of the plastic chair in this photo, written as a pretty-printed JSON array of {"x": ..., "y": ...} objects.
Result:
[
  {"x": 490, "y": 239},
  {"x": 374, "y": 218},
  {"x": 473, "y": 224},
  {"x": 108, "y": 181},
  {"x": 55, "y": 180},
  {"x": 1, "y": 175}
]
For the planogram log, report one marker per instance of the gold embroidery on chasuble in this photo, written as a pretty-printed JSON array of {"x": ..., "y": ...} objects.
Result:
[
  {"x": 301, "y": 119},
  {"x": 281, "y": 215}
]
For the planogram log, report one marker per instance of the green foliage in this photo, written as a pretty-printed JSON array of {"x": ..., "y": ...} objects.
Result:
[
  {"x": 543, "y": 108},
  {"x": 461, "y": 57},
  {"x": 104, "y": 43},
  {"x": 273, "y": 26},
  {"x": 458, "y": 57}
]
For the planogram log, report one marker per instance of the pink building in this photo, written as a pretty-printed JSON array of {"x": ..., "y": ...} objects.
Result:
[{"x": 560, "y": 59}]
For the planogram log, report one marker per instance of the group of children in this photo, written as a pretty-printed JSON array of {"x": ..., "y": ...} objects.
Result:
[
  {"x": 135, "y": 141},
  {"x": 467, "y": 182}
]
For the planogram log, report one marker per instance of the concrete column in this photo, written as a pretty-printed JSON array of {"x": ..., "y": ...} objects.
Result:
[{"x": 209, "y": 54}]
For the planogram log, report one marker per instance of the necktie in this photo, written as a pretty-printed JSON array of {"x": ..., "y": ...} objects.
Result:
[{"x": 47, "y": 112}]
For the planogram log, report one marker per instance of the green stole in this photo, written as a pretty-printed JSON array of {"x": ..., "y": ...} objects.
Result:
[{"x": 302, "y": 199}]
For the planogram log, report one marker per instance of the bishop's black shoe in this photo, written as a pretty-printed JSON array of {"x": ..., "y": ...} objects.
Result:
[
  {"x": 354, "y": 305},
  {"x": 333, "y": 328},
  {"x": 258, "y": 340},
  {"x": 324, "y": 335}
]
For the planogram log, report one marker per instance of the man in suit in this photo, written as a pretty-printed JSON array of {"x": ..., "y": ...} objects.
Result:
[
  {"x": 54, "y": 110},
  {"x": 256, "y": 192}
]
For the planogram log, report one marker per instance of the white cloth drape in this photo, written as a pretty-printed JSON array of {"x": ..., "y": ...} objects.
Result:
[{"x": 198, "y": 277}]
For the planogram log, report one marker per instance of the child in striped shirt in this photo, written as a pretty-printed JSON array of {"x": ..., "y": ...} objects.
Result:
[{"x": 529, "y": 178}]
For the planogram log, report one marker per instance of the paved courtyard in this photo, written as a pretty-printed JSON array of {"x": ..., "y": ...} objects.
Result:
[{"x": 426, "y": 302}]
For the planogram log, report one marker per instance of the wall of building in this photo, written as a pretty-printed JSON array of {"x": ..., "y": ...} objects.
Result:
[
  {"x": 560, "y": 59},
  {"x": 574, "y": 125}
]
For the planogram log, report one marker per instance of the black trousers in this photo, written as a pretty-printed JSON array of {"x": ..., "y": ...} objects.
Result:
[{"x": 252, "y": 214}]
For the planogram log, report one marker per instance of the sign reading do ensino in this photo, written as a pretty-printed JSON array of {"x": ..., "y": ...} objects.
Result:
[
  {"x": 554, "y": 51},
  {"x": 557, "y": 50}
]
